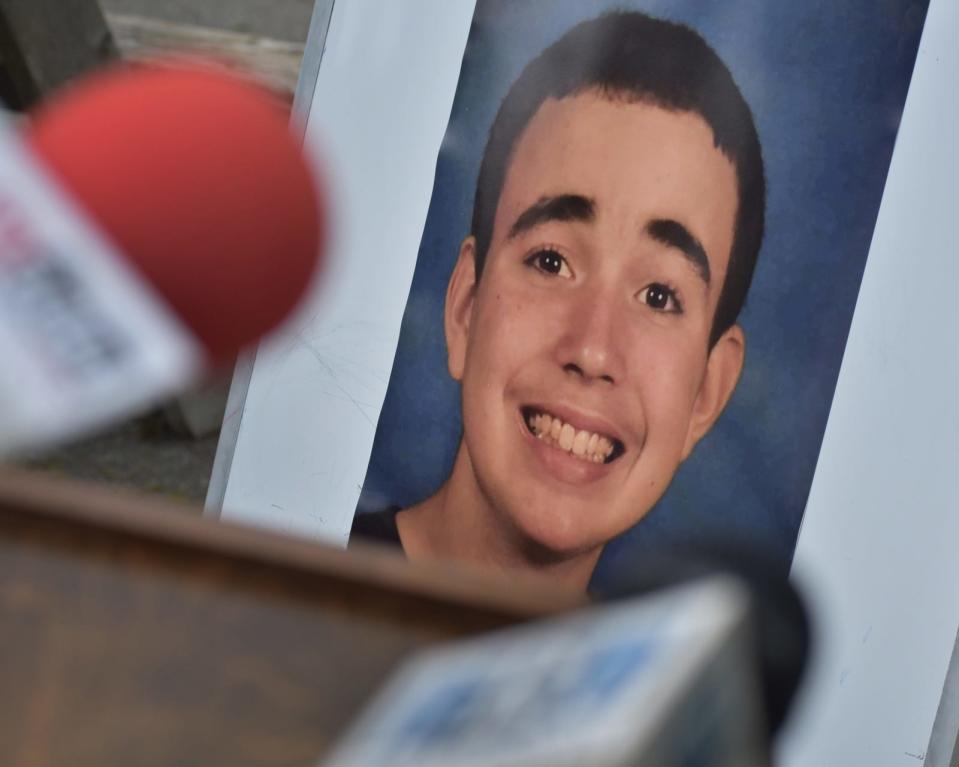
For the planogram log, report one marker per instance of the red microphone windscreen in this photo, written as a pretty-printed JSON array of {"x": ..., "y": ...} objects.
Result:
[{"x": 197, "y": 179}]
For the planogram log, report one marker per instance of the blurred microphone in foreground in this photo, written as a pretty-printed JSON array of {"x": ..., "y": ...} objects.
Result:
[
  {"x": 693, "y": 662},
  {"x": 153, "y": 222},
  {"x": 778, "y": 621}
]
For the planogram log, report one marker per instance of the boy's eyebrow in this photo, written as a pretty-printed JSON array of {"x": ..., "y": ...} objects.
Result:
[
  {"x": 562, "y": 207},
  {"x": 675, "y": 235}
]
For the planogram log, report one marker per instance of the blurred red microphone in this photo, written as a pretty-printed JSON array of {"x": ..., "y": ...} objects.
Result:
[
  {"x": 198, "y": 181},
  {"x": 155, "y": 220}
]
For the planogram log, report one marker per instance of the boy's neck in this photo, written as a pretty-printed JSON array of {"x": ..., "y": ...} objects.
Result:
[{"x": 459, "y": 524}]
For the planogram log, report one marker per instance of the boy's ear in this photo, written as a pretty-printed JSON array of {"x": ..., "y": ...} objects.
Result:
[
  {"x": 723, "y": 367},
  {"x": 459, "y": 307}
]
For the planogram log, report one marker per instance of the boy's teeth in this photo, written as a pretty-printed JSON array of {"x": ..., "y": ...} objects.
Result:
[
  {"x": 579, "y": 443},
  {"x": 583, "y": 444},
  {"x": 591, "y": 445}
]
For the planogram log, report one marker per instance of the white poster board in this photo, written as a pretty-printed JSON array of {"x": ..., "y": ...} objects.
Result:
[
  {"x": 877, "y": 548},
  {"x": 304, "y": 429},
  {"x": 876, "y": 545}
]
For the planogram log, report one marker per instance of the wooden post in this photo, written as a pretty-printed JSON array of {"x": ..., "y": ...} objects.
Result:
[
  {"x": 135, "y": 633},
  {"x": 45, "y": 43}
]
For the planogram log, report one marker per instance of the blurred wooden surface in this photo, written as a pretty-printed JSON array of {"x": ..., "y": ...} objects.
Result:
[{"x": 135, "y": 633}]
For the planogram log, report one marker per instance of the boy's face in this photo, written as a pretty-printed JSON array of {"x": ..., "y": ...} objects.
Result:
[{"x": 609, "y": 251}]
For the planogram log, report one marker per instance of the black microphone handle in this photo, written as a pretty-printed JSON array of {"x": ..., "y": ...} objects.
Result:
[{"x": 780, "y": 622}]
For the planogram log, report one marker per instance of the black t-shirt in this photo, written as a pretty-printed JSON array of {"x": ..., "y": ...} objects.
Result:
[{"x": 379, "y": 526}]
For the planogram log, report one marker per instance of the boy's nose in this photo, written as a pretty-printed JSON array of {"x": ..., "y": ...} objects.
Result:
[{"x": 589, "y": 347}]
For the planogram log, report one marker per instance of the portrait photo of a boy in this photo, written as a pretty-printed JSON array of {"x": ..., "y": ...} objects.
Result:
[{"x": 580, "y": 376}]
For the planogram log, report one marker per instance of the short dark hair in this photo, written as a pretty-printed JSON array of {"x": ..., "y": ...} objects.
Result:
[{"x": 634, "y": 56}]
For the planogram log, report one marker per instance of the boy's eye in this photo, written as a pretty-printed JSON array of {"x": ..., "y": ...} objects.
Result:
[
  {"x": 661, "y": 298},
  {"x": 550, "y": 262}
]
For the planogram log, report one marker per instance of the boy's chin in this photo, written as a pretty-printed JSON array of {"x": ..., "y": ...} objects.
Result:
[{"x": 550, "y": 538}]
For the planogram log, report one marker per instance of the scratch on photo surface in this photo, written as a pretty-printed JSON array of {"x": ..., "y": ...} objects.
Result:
[
  {"x": 361, "y": 366},
  {"x": 313, "y": 345},
  {"x": 921, "y": 756},
  {"x": 342, "y": 396},
  {"x": 331, "y": 372}
]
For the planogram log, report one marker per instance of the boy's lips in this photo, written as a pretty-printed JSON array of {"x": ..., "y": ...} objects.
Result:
[{"x": 582, "y": 437}]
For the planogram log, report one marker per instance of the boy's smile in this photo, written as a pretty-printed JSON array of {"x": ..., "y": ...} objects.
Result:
[
  {"x": 584, "y": 438},
  {"x": 583, "y": 349}
]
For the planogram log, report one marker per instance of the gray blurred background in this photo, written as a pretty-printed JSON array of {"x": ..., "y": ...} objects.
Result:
[
  {"x": 278, "y": 19},
  {"x": 170, "y": 450}
]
